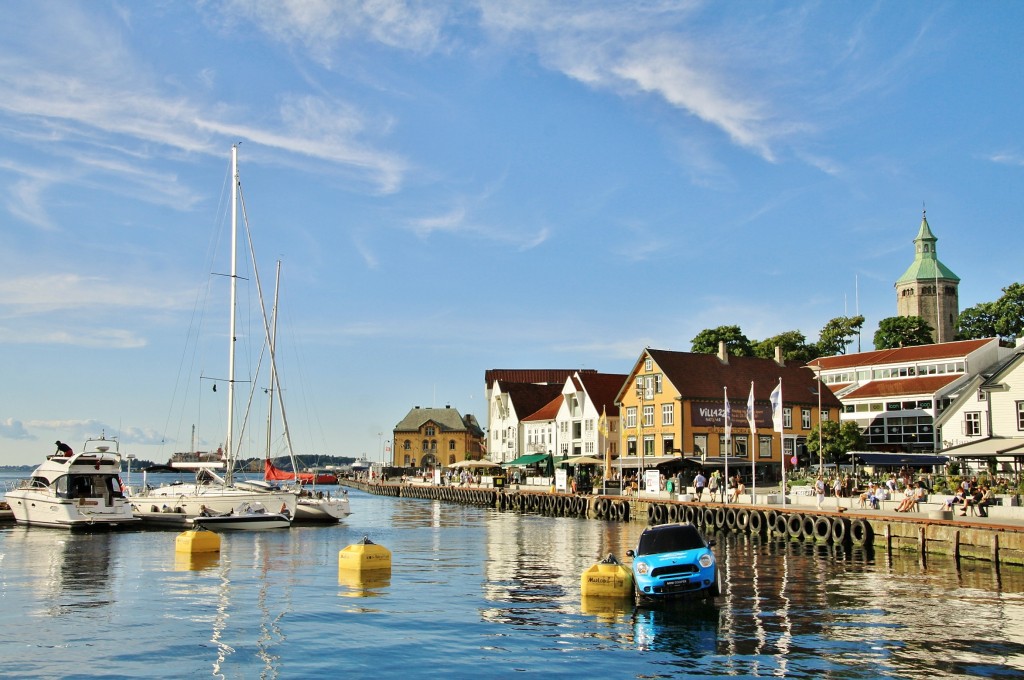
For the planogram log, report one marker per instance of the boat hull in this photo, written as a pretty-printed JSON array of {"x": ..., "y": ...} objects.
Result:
[
  {"x": 243, "y": 522},
  {"x": 45, "y": 510},
  {"x": 325, "y": 510},
  {"x": 190, "y": 500}
]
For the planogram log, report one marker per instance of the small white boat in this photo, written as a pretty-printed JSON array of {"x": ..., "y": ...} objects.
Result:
[
  {"x": 77, "y": 491},
  {"x": 246, "y": 517},
  {"x": 317, "y": 506}
]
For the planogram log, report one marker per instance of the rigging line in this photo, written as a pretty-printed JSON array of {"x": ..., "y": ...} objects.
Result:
[
  {"x": 199, "y": 304},
  {"x": 266, "y": 325}
]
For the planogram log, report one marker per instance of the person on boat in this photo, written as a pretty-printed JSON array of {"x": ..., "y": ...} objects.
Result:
[
  {"x": 284, "y": 510},
  {"x": 63, "y": 450}
]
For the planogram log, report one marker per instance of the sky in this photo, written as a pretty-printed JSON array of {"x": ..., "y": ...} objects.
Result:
[{"x": 456, "y": 187}]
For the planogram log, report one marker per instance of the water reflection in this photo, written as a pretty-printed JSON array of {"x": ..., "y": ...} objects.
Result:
[{"x": 74, "y": 569}]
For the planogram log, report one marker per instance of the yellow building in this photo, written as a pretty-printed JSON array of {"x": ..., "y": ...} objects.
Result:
[
  {"x": 673, "y": 405},
  {"x": 427, "y": 437}
]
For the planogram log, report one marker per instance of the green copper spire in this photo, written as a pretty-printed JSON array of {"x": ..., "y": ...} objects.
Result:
[{"x": 926, "y": 265}]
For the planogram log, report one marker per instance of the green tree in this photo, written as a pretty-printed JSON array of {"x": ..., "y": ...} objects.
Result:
[
  {"x": 902, "y": 331},
  {"x": 794, "y": 347},
  {"x": 837, "y": 334},
  {"x": 736, "y": 344},
  {"x": 977, "y": 322},
  {"x": 836, "y": 440},
  {"x": 1010, "y": 312}
]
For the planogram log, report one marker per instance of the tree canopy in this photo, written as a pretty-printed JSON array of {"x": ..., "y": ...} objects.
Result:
[
  {"x": 836, "y": 440},
  {"x": 1003, "y": 318},
  {"x": 902, "y": 331},
  {"x": 794, "y": 347},
  {"x": 736, "y": 344},
  {"x": 838, "y": 333}
]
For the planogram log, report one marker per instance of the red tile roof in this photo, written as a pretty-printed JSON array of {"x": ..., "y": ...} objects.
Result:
[
  {"x": 902, "y": 387},
  {"x": 539, "y": 376},
  {"x": 546, "y": 412},
  {"x": 902, "y": 355}
]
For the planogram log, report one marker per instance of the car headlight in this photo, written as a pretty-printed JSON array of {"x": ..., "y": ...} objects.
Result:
[
  {"x": 706, "y": 560},
  {"x": 641, "y": 567}
]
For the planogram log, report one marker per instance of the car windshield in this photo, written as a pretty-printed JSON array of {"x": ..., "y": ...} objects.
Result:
[{"x": 669, "y": 540}]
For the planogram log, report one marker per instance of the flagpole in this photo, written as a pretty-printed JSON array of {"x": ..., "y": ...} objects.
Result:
[
  {"x": 752, "y": 421},
  {"x": 778, "y": 426},
  {"x": 728, "y": 436}
]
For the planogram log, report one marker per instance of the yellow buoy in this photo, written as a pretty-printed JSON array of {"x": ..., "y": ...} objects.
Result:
[
  {"x": 364, "y": 556},
  {"x": 607, "y": 578},
  {"x": 197, "y": 541}
]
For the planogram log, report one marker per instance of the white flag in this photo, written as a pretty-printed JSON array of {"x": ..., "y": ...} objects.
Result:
[
  {"x": 728, "y": 415},
  {"x": 751, "y": 417},
  {"x": 777, "y": 407}
]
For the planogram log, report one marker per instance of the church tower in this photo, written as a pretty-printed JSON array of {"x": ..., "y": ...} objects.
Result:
[{"x": 928, "y": 288}]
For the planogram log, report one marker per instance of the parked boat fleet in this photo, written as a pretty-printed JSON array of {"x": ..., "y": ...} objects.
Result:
[{"x": 84, "y": 491}]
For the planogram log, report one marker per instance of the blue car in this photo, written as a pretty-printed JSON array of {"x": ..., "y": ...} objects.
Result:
[{"x": 674, "y": 561}]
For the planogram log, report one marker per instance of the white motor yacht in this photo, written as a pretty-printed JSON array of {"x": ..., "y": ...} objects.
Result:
[{"x": 77, "y": 491}]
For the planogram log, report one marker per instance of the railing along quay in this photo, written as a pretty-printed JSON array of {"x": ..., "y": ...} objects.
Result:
[{"x": 1001, "y": 542}]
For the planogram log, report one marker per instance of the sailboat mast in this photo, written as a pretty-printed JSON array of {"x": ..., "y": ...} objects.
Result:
[
  {"x": 228, "y": 438},
  {"x": 273, "y": 364}
]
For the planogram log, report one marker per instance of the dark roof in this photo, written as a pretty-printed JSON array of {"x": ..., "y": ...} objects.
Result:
[
  {"x": 528, "y": 398},
  {"x": 602, "y": 388},
  {"x": 537, "y": 376},
  {"x": 902, "y": 355},
  {"x": 448, "y": 419},
  {"x": 702, "y": 376}
]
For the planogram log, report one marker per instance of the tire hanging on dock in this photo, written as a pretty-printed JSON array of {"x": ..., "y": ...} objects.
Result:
[{"x": 860, "y": 532}]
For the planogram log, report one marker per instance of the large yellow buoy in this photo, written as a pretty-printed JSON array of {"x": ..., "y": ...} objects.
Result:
[
  {"x": 197, "y": 541},
  {"x": 364, "y": 556},
  {"x": 607, "y": 578}
]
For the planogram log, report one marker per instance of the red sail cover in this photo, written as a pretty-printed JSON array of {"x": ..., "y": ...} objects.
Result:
[{"x": 272, "y": 473}]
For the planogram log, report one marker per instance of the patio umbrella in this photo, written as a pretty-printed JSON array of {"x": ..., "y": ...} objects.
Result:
[
  {"x": 474, "y": 464},
  {"x": 582, "y": 460}
]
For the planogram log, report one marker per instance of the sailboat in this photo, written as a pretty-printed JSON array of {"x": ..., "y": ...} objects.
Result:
[
  {"x": 312, "y": 505},
  {"x": 211, "y": 493}
]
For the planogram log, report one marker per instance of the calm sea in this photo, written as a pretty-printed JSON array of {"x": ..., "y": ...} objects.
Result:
[{"x": 479, "y": 593}]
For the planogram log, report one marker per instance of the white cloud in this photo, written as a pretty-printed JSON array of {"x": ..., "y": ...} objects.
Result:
[
  {"x": 14, "y": 429},
  {"x": 321, "y": 25}
]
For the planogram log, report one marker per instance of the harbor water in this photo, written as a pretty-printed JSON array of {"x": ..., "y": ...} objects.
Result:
[{"x": 475, "y": 592}]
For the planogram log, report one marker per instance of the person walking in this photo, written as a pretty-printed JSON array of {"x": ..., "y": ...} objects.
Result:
[
  {"x": 699, "y": 482},
  {"x": 819, "y": 490}
]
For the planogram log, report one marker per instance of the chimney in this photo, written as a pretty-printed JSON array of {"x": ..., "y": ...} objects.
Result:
[
  {"x": 778, "y": 356},
  {"x": 723, "y": 356}
]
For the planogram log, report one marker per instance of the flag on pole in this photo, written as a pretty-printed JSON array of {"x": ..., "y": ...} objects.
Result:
[
  {"x": 728, "y": 416},
  {"x": 751, "y": 418},
  {"x": 777, "y": 407}
]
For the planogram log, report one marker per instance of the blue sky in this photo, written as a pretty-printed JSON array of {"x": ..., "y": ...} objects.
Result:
[{"x": 453, "y": 188}]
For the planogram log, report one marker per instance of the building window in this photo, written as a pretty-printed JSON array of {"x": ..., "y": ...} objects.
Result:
[
  {"x": 648, "y": 415},
  {"x": 723, "y": 448},
  {"x": 649, "y": 445},
  {"x": 668, "y": 445},
  {"x": 825, "y": 415},
  {"x": 739, "y": 445},
  {"x": 451, "y": 444},
  {"x": 429, "y": 431},
  {"x": 787, "y": 417},
  {"x": 972, "y": 423},
  {"x": 982, "y": 395},
  {"x": 1020, "y": 415},
  {"x": 668, "y": 414},
  {"x": 700, "y": 444},
  {"x": 648, "y": 364},
  {"x": 407, "y": 445},
  {"x": 764, "y": 447},
  {"x": 631, "y": 417},
  {"x": 805, "y": 418}
]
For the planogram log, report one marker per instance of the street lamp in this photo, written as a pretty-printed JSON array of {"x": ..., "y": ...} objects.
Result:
[{"x": 821, "y": 449}]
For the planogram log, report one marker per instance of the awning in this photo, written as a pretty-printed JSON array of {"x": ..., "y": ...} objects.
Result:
[
  {"x": 897, "y": 459},
  {"x": 989, "y": 447},
  {"x": 529, "y": 459}
]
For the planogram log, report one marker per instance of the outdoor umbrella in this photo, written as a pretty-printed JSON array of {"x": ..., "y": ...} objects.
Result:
[
  {"x": 582, "y": 460},
  {"x": 474, "y": 464}
]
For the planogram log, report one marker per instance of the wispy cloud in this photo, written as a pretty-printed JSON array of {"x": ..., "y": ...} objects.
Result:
[
  {"x": 460, "y": 220},
  {"x": 1006, "y": 158},
  {"x": 320, "y": 25}
]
